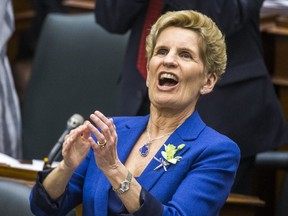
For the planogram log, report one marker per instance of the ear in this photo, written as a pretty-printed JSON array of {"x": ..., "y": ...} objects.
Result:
[{"x": 209, "y": 84}]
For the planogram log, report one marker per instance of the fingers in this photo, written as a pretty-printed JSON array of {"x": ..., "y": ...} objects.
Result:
[
  {"x": 80, "y": 132},
  {"x": 105, "y": 130},
  {"x": 86, "y": 132}
]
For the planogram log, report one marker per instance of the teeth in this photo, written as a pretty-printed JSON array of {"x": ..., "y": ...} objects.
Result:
[{"x": 168, "y": 76}]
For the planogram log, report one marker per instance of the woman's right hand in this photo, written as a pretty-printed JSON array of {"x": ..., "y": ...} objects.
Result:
[
  {"x": 74, "y": 150},
  {"x": 76, "y": 146}
]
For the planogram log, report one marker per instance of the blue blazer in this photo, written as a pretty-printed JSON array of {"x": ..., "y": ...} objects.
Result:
[{"x": 198, "y": 184}]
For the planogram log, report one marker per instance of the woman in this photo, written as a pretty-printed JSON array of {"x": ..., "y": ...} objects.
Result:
[
  {"x": 246, "y": 83},
  {"x": 166, "y": 163}
]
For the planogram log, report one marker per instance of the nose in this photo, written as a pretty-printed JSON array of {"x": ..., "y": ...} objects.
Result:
[{"x": 170, "y": 60}]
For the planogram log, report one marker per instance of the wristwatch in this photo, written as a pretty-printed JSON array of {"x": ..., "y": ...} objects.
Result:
[{"x": 124, "y": 185}]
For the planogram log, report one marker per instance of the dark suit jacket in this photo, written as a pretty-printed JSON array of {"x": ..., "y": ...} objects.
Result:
[
  {"x": 198, "y": 184},
  {"x": 243, "y": 105}
]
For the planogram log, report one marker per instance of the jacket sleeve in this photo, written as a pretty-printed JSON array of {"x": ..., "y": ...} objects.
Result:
[
  {"x": 42, "y": 204},
  {"x": 118, "y": 15},
  {"x": 230, "y": 16},
  {"x": 149, "y": 205}
]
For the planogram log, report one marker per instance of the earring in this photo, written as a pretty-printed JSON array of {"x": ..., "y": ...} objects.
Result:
[{"x": 202, "y": 91}]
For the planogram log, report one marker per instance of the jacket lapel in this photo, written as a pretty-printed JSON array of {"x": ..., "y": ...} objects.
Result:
[
  {"x": 129, "y": 135},
  {"x": 186, "y": 133}
]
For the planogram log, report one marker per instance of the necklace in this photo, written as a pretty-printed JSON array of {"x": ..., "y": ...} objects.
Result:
[{"x": 144, "y": 150}]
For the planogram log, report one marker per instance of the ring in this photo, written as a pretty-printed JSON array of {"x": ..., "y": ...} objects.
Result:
[{"x": 102, "y": 144}]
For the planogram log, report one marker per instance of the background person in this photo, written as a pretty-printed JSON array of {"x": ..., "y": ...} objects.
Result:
[{"x": 10, "y": 116}]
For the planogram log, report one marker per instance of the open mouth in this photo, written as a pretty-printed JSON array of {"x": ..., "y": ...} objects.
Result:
[{"x": 167, "y": 79}]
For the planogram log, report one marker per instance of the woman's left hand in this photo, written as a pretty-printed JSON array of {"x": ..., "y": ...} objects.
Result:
[{"x": 105, "y": 150}]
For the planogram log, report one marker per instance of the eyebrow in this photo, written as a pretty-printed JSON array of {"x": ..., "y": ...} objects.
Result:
[{"x": 180, "y": 48}]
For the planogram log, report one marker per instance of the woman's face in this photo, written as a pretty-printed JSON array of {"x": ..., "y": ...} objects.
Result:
[{"x": 176, "y": 72}]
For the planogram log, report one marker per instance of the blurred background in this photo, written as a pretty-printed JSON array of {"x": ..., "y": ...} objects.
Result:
[{"x": 29, "y": 18}]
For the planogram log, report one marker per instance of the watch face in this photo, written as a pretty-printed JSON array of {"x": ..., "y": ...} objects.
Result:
[{"x": 125, "y": 185}]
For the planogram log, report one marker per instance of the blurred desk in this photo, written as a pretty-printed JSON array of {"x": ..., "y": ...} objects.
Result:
[
  {"x": 236, "y": 205},
  {"x": 79, "y": 5},
  {"x": 17, "y": 173},
  {"x": 241, "y": 205},
  {"x": 26, "y": 177}
]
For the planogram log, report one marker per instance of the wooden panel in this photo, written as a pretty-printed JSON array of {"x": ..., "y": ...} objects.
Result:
[
  {"x": 281, "y": 56},
  {"x": 240, "y": 205},
  {"x": 23, "y": 13},
  {"x": 16, "y": 173},
  {"x": 275, "y": 44},
  {"x": 283, "y": 97},
  {"x": 79, "y": 6}
]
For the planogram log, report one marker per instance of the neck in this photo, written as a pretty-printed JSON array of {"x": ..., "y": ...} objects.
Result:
[
  {"x": 151, "y": 139},
  {"x": 165, "y": 122}
]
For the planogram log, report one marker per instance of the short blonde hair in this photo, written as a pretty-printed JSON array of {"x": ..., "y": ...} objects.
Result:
[{"x": 212, "y": 42}]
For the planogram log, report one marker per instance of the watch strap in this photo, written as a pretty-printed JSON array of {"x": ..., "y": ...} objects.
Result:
[{"x": 124, "y": 185}]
